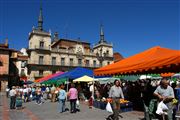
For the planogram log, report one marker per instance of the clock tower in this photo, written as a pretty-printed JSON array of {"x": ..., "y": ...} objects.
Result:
[{"x": 103, "y": 50}]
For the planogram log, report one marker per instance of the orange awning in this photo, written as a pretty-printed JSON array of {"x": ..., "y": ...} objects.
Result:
[
  {"x": 154, "y": 59},
  {"x": 167, "y": 74}
]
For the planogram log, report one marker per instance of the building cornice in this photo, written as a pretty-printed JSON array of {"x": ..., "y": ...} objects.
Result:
[
  {"x": 102, "y": 44},
  {"x": 40, "y": 33}
]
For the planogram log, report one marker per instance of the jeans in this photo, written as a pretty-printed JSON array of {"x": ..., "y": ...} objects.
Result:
[
  {"x": 12, "y": 102},
  {"x": 25, "y": 97},
  {"x": 73, "y": 105},
  {"x": 170, "y": 111},
  {"x": 38, "y": 99},
  {"x": 61, "y": 105}
]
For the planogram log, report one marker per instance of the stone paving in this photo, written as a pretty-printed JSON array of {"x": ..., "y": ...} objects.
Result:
[{"x": 48, "y": 111}]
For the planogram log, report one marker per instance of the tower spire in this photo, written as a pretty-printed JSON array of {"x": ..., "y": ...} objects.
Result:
[
  {"x": 40, "y": 19},
  {"x": 102, "y": 40}
]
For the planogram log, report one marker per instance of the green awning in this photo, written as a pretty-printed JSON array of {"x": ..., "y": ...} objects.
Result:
[{"x": 56, "y": 82}]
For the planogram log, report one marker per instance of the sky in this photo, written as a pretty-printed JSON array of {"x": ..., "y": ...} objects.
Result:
[{"x": 132, "y": 26}]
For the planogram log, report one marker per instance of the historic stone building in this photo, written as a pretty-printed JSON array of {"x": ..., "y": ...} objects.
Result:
[
  {"x": 8, "y": 71},
  {"x": 49, "y": 54},
  {"x": 21, "y": 64}
]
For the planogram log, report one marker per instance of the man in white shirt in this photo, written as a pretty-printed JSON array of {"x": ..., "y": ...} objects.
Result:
[
  {"x": 25, "y": 93},
  {"x": 165, "y": 93},
  {"x": 116, "y": 93},
  {"x": 12, "y": 94}
]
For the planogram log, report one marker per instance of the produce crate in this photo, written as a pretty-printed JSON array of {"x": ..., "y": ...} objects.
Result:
[{"x": 125, "y": 107}]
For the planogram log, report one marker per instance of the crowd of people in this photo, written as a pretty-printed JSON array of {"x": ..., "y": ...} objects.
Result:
[
  {"x": 19, "y": 95},
  {"x": 142, "y": 93}
]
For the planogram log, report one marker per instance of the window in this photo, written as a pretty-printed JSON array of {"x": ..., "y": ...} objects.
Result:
[
  {"x": 94, "y": 63},
  {"x": 53, "y": 60},
  {"x": 41, "y": 59},
  {"x": 41, "y": 44},
  {"x": 87, "y": 63},
  {"x": 107, "y": 52},
  {"x": 79, "y": 62},
  {"x": 71, "y": 62},
  {"x": 40, "y": 72},
  {"x": 63, "y": 61}
]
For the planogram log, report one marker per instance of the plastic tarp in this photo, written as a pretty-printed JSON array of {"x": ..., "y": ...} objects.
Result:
[
  {"x": 105, "y": 80},
  {"x": 176, "y": 75},
  {"x": 128, "y": 77},
  {"x": 153, "y": 60},
  {"x": 75, "y": 73}
]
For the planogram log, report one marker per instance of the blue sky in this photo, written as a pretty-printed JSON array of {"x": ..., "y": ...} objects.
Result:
[{"x": 131, "y": 25}]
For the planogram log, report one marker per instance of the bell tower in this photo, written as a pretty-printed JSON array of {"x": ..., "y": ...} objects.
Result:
[
  {"x": 103, "y": 49},
  {"x": 39, "y": 38}
]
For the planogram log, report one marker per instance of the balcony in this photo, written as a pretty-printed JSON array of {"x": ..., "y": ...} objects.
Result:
[{"x": 61, "y": 64}]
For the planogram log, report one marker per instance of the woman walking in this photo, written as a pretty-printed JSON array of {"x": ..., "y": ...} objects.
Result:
[
  {"x": 62, "y": 98},
  {"x": 73, "y": 95}
]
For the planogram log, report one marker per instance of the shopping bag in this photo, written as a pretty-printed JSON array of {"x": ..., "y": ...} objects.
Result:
[
  {"x": 161, "y": 108},
  {"x": 31, "y": 96},
  {"x": 77, "y": 102},
  {"x": 109, "y": 108}
]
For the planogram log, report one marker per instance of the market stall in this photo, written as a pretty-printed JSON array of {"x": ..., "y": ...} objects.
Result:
[
  {"x": 154, "y": 60},
  {"x": 124, "y": 104}
]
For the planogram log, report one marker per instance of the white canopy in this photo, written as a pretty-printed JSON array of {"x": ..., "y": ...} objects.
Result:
[{"x": 84, "y": 79}]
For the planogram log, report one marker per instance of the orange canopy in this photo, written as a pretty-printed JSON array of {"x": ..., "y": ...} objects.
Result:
[
  {"x": 167, "y": 74},
  {"x": 153, "y": 60}
]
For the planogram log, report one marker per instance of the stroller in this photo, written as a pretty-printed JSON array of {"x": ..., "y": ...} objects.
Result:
[
  {"x": 19, "y": 103},
  {"x": 110, "y": 117}
]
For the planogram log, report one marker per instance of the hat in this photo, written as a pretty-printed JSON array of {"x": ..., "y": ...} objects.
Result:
[{"x": 13, "y": 87}]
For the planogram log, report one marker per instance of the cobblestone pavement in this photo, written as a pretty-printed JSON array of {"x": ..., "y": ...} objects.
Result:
[{"x": 48, "y": 111}]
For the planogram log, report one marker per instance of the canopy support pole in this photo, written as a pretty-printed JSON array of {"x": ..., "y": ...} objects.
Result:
[
  {"x": 67, "y": 81},
  {"x": 93, "y": 88},
  {"x": 67, "y": 84}
]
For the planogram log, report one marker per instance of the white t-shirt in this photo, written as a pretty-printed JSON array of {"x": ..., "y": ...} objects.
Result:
[
  {"x": 21, "y": 90},
  {"x": 12, "y": 92},
  {"x": 47, "y": 89},
  {"x": 25, "y": 90}
]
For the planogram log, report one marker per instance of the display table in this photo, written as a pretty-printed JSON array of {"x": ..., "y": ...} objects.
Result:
[{"x": 125, "y": 107}]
